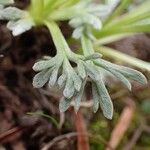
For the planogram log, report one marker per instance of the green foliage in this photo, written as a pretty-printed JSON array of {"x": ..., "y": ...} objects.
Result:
[
  {"x": 41, "y": 114},
  {"x": 91, "y": 22}
]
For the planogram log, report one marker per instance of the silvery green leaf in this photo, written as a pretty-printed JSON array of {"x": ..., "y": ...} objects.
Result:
[
  {"x": 81, "y": 69},
  {"x": 113, "y": 3},
  {"x": 1, "y": 10},
  {"x": 96, "y": 98},
  {"x": 105, "y": 100},
  {"x": 132, "y": 74},
  {"x": 12, "y": 13},
  {"x": 93, "y": 56},
  {"x": 78, "y": 97},
  {"x": 76, "y": 22},
  {"x": 118, "y": 75},
  {"x": 92, "y": 71},
  {"x": 69, "y": 88},
  {"x": 77, "y": 81},
  {"x": 20, "y": 26},
  {"x": 77, "y": 33},
  {"x": 53, "y": 77},
  {"x": 122, "y": 79},
  {"x": 41, "y": 78},
  {"x": 93, "y": 21},
  {"x": 127, "y": 72},
  {"x": 99, "y": 10},
  {"x": 44, "y": 64},
  {"x": 62, "y": 80},
  {"x": 6, "y": 2},
  {"x": 64, "y": 104}
]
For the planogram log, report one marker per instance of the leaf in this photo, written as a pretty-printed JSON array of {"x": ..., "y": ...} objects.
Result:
[
  {"x": 127, "y": 72},
  {"x": 105, "y": 100},
  {"x": 69, "y": 88},
  {"x": 77, "y": 33},
  {"x": 41, "y": 78},
  {"x": 12, "y": 13},
  {"x": 81, "y": 69},
  {"x": 44, "y": 64},
  {"x": 96, "y": 98},
  {"x": 64, "y": 104},
  {"x": 122, "y": 79},
  {"x": 77, "y": 81},
  {"x": 92, "y": 71},
  {"x": 94, "y": 21},
  {"x": 6, "y": 2},
  {"x": 78, "y": 97},
  {"x": 53, "y": 77},
  {"x": 87, "y": 18},
  {"x": 62, "y": 80},
  {"x": 119, "y": 76},
  {"x": 93, "y": 56},
  {"x": 76, "y": 22},
  {"x": 20, "y": 26},
  {"x": 132, "y": 74}
]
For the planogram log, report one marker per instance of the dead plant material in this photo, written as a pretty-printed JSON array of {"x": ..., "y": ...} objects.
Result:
[
  {"x": 122, "y": 125},
  {"x": 82, "y": 138}
]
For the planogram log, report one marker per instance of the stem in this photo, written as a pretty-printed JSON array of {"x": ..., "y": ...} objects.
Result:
[
  {"x": 36, "y": 10},
  {"x": 109, "y": 52},
  {"x": 83, "y": 139},
  {"x": 60, "y": 42},
  {"x": 87, "y": 45}
]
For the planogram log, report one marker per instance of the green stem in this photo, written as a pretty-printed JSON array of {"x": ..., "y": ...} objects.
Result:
[
  {"x": 60, "y": 42},
  {"x": 51, "y": 119},
  {"x": 36, "y": 10},
  {"x": 87, "y": 45},
  {"x": 111, "y": 53}
]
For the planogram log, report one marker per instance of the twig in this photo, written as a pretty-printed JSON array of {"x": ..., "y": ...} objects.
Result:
[
  {"x": 122, "y": 126},
  {"x": 10, "y": 133},
  {"x": 132, "y": 142},
  {"x": 61, "y": 120},
  {"x": 87, "y": 104},
  {"x": 82, "y": 138},
  {"x": 59, "y": 138}
]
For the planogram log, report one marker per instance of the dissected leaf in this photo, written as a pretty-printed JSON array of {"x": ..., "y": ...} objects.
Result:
[
  {"x": 41, "y": 78},
  {"x": 77, "y": 81},
  {"x": 12, "y": 13},
  {"x": 96, "y": 98},
  {"x": 78, "y": 97},
  {"x": 69, "y": 88},
  {"x": 20, "y": 26},
  {"x": 81, "y": 69},
  {"x": 93, "y": 56},
  {"x": 77, "y": 33},
  {"x": 6, "y": 2},
  {"x": 64, "y": 104},
  {"x": 122, "y": 79},
  {"x": 132, "y": 74},
  {"x": 127, "y": 72},
  {"x": 53, "y": 77},
  {"x": 44, "y": 64},
  {"x": 105, "y": 100},
  {"x": 92, "y": 71},
  {"x": 62, "y": 80}
]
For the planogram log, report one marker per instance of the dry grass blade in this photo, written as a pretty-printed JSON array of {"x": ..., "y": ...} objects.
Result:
[{"x": 122, "y": 125}]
